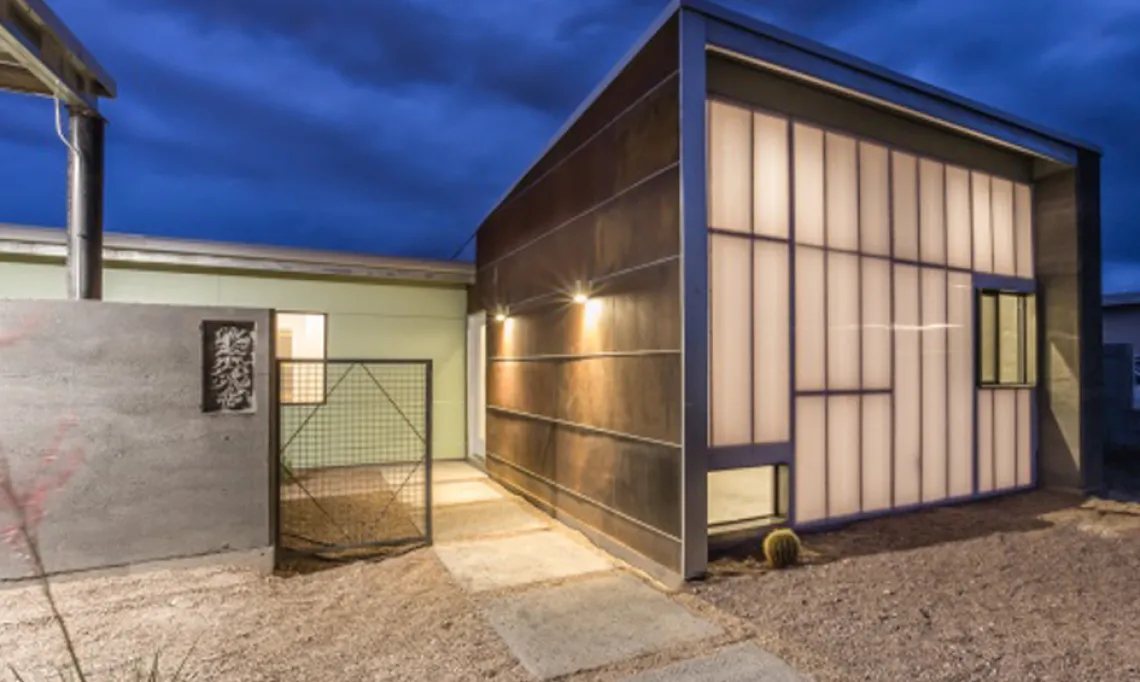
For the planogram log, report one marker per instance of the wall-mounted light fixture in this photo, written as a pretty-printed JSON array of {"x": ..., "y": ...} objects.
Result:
[
  {"x": 581, "y": 294},
  {"x": 501, "y": 315}
]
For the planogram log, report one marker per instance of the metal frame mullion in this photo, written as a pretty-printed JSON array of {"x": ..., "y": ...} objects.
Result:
[
  {"x": 946, "y": 326},
  {"x": 862, "y": 317},
  {"x": 792, "y": 248},
  {"x": 751, "y": 276},
  {"x": 894, "y": 320},
  {"x": 921, "y": 333},
  {"x": 826, "y": 341}
]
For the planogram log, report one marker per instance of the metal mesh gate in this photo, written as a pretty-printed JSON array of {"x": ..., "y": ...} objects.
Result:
[{"x": 354, "y": 456}]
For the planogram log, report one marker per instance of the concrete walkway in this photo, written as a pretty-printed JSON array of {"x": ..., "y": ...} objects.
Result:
[{"x": 565, "y": 608}]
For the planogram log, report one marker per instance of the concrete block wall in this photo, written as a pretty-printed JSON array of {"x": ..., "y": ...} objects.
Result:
[{"x": 160, "y": 479}]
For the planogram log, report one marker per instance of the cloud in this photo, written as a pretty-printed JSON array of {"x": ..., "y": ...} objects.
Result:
[{"x": 393, "y": 125}]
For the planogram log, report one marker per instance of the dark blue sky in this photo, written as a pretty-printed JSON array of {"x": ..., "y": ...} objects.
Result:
[{"x": 392, "y": 126}]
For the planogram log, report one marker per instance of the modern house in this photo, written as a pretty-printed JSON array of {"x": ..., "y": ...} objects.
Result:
[{"x": 754, "y": 280}]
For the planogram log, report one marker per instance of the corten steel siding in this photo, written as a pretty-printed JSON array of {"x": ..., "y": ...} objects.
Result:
[
  {"x": 365, "y": 319},
  {"x": 584, "y": 401}
]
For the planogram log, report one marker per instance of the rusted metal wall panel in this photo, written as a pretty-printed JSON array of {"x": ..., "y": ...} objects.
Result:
[{"x": 584, "y": 400}]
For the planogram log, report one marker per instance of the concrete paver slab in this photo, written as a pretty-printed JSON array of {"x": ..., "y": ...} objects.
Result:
[
  {"x": 458, "y": 470},
  {"x": 496, "y": 563},
  {"x": 584, "y": 625},
  {"x": 463, "y": 522},
  {"x": 463, "y": 492},
  {"x": 739, "y": 663}
]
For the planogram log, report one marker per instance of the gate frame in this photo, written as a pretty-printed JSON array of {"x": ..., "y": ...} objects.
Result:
[{"x": 275, "y": 436}]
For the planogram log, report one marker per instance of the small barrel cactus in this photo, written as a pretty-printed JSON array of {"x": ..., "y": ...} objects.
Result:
[{"x": 782, "y": 548}]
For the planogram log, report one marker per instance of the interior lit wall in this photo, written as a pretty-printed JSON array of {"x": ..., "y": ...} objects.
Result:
[
  {"x": 584, "y": 398},
  {"x": 843, "y": 275}
]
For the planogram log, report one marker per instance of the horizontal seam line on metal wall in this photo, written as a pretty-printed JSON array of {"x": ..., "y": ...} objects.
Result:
[
  {"x": 584, "y": 427},
  {"x": 613, "y": 197},
  {"x": 580, "y": 496},
  {"x": 573, "y": 152},
  {"x": 604, "y": 278},
  {"x": 587, "y": 356}
]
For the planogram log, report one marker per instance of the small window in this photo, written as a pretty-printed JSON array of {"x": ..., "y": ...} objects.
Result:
[
  {"x": 301, "y": 345},
  {"x": 1007, "y": 339}
]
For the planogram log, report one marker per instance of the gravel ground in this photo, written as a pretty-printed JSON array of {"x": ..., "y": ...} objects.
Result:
[
  {"x": 400, "y": 619},
  {"x": 1031, "y": 587},
  {"x": 307, "y": 524}
]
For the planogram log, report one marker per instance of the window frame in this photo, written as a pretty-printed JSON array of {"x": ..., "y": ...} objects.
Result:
[
  {"x": 282, "y": 362},
  {"x": 1027, "y": 377}
]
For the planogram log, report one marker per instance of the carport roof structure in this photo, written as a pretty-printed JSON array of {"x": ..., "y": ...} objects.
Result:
[{"x": 40, "y": 56}]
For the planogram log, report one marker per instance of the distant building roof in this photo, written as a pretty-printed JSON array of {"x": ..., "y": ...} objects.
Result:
[
  {"x": 1128, "y": 298},
  {"x": 124, "y": 249}
]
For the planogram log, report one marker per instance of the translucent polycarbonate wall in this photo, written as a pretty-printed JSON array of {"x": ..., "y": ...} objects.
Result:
[{"x": 844, "y": 282}]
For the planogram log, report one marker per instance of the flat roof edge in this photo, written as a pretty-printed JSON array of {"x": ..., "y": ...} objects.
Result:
[
  {"x": 763, "y": 29},
  {"x": 46, "y": 242},
  {"x": 58, "y": 55}
]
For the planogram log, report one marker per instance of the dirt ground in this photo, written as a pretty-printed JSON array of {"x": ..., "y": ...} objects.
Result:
[
  {"x": 400, "y": 619},
  {"x": 1031, "y": 587}
]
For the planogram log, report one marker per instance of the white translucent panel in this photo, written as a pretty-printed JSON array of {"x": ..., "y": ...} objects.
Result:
[
  {"x": 1031, "y": 340},
  {"x": 932, "y": 212},
  {"x": 874, "y": 200},
  {"x": 1023, "y": 228},
  {"x": 1024, "y": 437},
  {"x": 960, "y": 394},
  {"x": 770, "y": 176},
  {"x": 809, "y": 184},
  {"x": 811, "y": 459},
  {"x": 771, "y": 337},
  {"x": 810, "y": 320},
  {"x": 904, "y": 200},
  {"x": 842, "y": 193},
  {"x": 958, "y": 226},
  {"x": 1005, "y": 439},
  {"x": 730, "y": 167},
  {"x": 934, "y": 433},
  {"x": 876, "y": 452},
  {"x": 1005, "y": 246},
  {"x": 741, "y": 494},
  {"x": 987, "y": 338},
  {"x": 730, "y": 340},
  {"x": 1009, "y": 339},
  {"x": 983, "y": 234},
  {"x": 876, "y": 313},
  {"x": 843, "y": 465},
  {"x": 908, "y": 398},
  {"x": 985, "y": 441},
  {"x": 843, "y": 357}
]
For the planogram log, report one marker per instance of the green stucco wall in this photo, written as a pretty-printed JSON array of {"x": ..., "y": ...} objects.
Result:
[{"x": 365, "y": 320}]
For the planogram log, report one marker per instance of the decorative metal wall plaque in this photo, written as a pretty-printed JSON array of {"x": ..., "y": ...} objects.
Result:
[{"x": 227, "y": 366}]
